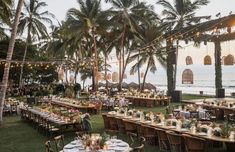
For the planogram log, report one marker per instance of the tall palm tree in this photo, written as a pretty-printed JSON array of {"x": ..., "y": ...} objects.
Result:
[
  {"x": 5, "y": 15},
  {"x": 180, "y": 14},
  {"x": 9, "y": 56},
  {"x": 33, "y": 21},
  {"x": 147, "y": 34},
  {"x": 90, "y": 19},
  {"x": 127, "y": 15}
]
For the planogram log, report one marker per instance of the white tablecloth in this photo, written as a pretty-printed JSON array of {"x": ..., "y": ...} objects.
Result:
[{"x": 114, "y": 145}]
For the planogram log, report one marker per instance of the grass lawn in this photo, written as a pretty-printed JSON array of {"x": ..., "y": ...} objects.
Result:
[
  {"x": 19, "y": 136},
  {"x": 192, "y": 97}
]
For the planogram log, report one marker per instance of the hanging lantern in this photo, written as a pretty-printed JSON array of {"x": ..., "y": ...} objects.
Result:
[
  {"x": 108, "y": 76},
  {"x": 207, "y": 60},
  {"x": 187, "y": 77},
  {"x": 99, "y": 76},
  {"x": 229, "y": 29},
  {"x": 124, "y": 76},
  {"x": 142, "y": 75},
  {"x": 61, "y": 74},
  {"x": 115, "y": 77},
  {"x": 229, "y": 60},
  {"x": 189, "y": 60}
]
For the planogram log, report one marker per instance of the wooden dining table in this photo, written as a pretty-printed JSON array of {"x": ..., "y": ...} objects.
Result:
[
  {"x": 230, "y": 143},
  {"x": 149, "y": 101},
  {"x": 61, "y": 124},
  {"x": 90, "y": 108}
]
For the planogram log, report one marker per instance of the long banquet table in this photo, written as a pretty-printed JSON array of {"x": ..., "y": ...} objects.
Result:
[
  {"x": 53, "y": 120},
  {"x": 113, "y": 145},
  {"x": 148, "y": 102},
  {"x": 221, "y": 110},
  {"x": 230, "y": 143},
  {"x": 91, "y": 108}
]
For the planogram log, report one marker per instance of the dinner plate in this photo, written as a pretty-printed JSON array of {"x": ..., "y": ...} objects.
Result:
[
  {"x": 171, "y": 127},
  {"x": 202, "y": 134},
  {"x": 147, "y": 122},
  {"x": 70, "y": 146},
  {"x": 122, "y": 145},
  {"x": 184, "y": 130}
]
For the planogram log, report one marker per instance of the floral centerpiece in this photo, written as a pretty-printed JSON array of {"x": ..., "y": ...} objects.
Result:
[{"x": 225, "y": 130}]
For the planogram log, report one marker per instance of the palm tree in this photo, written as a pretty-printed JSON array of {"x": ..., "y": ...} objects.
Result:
[
  {"x": 181, "y": 14},
  {"x": 5, "y": 15},
  {"x": 147, "y": 34},
  {"x": 127, "y": 15},
  {"x": 9, "y": 56},
  {"x": 32, "y": 21},
  {"x": 90, "y": 20}
]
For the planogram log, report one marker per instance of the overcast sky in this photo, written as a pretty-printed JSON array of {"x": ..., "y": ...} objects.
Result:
[{"x": 60, "y": 7}]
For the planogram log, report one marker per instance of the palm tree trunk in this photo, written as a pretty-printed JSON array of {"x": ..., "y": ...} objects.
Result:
[
  {"x": 125, "y": 65},
  {"x": 76, "y": 75},
  {"x": 9, "y": 57},
  {"x": 83, "y": 84},
  {"x": 145, "y": 74},
  {"x": 139, "y": 70},
  {"x": 170, "y": 69},
  {"x": 93, "y": 80},
  {"x": 66, "y": 77},
  {"x": 105, "y": 70},
  {"x": 218, "y": 70},
  {"x": 22, "y": 65},
  {"x": 121, "y": 58},
  {"x": 176, "y": 60},
  {"x": 96, "y": 62},
  {"x": 28, "y": 41}
]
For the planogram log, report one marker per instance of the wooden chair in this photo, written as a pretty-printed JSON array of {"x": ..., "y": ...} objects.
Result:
[
  {"x": 59, "y": 143},
  {"x": 149, "y": 134},
  {"x": 219, "y": 114},
  {"x": 120, "y": 125},
  {"x": 112, "y": 132},
  {"x": 14, "y": 109},
  {"x": 175, "y": 141},
  {"x": 48, "y": 146},
  {"x": 194, "y": 144},
  {"x": 138, "y": 148},
  {"x": 98, "y": 107},
  {"x": 106, "y": 121},
  {"x": 163, "y": 140},
  {"x": 132, "y": 137},
  {"x": 79, "y": 134},
  {"x": 113, "y": 123},
  {"x": 129, "y": 126},
  {"x": 194, "y": 114},
  {"x": 50, "y": 128}
]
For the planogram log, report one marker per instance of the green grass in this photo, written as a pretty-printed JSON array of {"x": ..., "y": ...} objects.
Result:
[
  {"x": 192, "y": 97},
  {"x": 19, "y": 136}
]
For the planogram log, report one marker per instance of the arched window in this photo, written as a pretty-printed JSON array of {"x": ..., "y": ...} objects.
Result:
[
  {"x": 222, "y": 60},
  {"x": 189, "y": 60},
  {"x": 115, "y": 77},
  {"x": 207, "y": 60},
  {"x": 229, "y": 60},
  {"x": 187, "y": 77}
]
